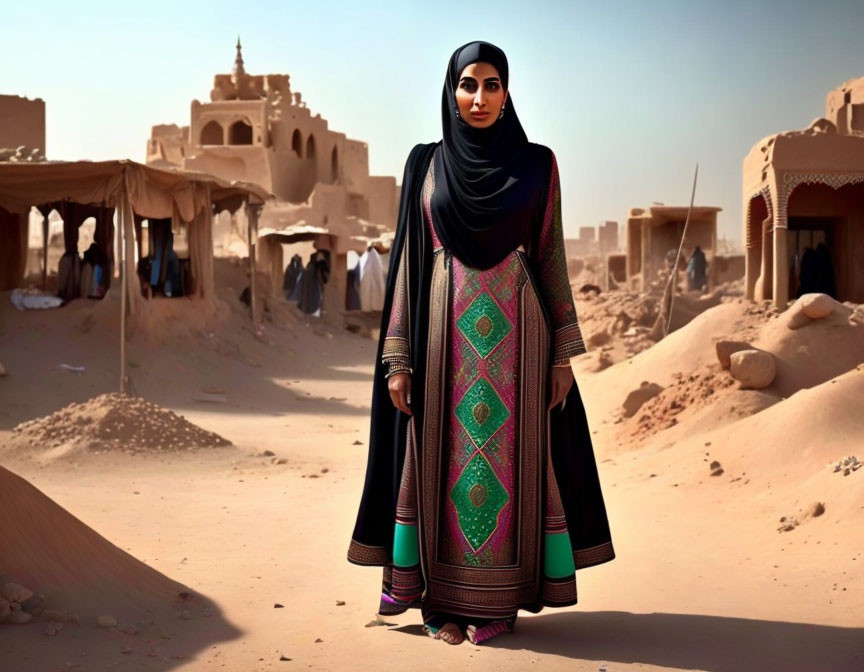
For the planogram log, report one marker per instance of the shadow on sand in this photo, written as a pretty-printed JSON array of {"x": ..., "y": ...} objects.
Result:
[{"x": 686, "y": 641}]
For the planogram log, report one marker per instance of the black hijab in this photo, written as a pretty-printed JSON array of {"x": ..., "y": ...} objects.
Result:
[{"x": 488, "y": 181}]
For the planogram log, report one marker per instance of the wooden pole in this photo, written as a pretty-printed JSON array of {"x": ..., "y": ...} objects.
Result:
[
  {"x": 252, "y": 236},
  {"x": 44, "y": 252},
  {"x": 121, "y": 220}
]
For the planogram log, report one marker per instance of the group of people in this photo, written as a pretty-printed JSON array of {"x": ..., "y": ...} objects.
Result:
[
  {"x": 86, "y": 277},
  {"x": 162, "y": 272},
  {"x": 306, "y": 285},
  {"x": 365, "y": 287}
]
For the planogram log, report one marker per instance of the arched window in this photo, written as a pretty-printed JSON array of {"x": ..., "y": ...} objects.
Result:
[
  {"x": 212, "y": 134},
  {"x": 240, "y": 133},
  {"x": 310, "y": 147},
  {"x": 297, "y": 143},
  {"x": 334, "y": 165}
]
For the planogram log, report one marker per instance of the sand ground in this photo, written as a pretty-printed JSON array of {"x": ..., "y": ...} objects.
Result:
[{"x": 703, "y": 580}]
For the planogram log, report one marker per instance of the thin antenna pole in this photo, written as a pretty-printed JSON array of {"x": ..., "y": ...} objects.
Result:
[{"x": 674, "y": 273}]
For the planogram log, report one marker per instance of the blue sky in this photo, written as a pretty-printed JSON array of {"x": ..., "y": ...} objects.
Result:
[{"x": 628, "y": 94}]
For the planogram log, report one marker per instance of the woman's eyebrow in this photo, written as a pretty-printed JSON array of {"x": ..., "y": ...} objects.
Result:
[{"x": 491, "y": 79}]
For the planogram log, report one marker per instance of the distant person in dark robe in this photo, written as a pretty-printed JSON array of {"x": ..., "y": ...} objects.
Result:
[
  {"x": 314, "y": 277},
  {"x": 292, "y": 273},
  {"x": 809, "y": 280},
  {"x": 352, "y": 288},
  {"x": 825, "y": 266},
  {"x": 697, "y": 268}
]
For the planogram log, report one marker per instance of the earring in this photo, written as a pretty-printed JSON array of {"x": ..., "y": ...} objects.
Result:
[
  {"x": 501, "y": 116},
  {"x": 456, "y": 109}
]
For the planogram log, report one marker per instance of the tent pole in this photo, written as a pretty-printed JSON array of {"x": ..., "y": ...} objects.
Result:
[
  {"x": 252, "y": 239},
  {"x": 123, "y": 289},
  {"x": 44, "y": 252}
]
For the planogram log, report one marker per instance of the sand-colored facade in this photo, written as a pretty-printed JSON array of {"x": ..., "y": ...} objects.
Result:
[
  {"x": 653, "y": 232},
  {"x": 256, "y": 129},
  {"x": 22, "y": 123},
  {"x": 802, "y": 188}
]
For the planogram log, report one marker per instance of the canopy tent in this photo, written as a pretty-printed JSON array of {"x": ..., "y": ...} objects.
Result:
[{"x": 131, "y": 189}]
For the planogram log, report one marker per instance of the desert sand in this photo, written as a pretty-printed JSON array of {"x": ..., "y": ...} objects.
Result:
[{"x": 200, "y": 556}]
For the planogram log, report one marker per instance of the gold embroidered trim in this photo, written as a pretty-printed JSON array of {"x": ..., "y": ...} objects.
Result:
[
  {"x": 559, "y": 593},
  {"x": 568, "y": 343},
  {"x": 361, "y": 554},
  {"x": 595, "y": 555}
]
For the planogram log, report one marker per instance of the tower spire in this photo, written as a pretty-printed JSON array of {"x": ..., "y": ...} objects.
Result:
[{"x": 239, "y": 71}]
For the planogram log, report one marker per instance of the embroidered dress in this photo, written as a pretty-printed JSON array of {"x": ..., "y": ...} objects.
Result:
[{"x": 486, "y": 500}]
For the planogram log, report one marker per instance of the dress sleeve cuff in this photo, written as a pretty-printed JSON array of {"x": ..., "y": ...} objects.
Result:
[
  {"x": 567, "y": 343},
  {"x": 396, "y": 353}
]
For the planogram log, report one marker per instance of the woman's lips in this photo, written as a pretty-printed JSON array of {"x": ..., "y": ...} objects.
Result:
[{"x": 479, "y": 115}]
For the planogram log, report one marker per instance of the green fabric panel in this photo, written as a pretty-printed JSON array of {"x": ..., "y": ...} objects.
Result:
[
  {"x": 559, "y": 556},
  {"x": 406, "y": 551}
]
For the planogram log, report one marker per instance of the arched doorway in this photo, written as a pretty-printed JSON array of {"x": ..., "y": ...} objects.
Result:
[
  {"x": 240, "y": 133},
  {"x": 297, "y": 143},
  {"x": 212, "y": 134},
  {"x": 310, "y": 147}
]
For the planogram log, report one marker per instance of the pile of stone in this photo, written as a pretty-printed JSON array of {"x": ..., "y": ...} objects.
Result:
[
  {"x": 116, "y": 421},
  {"x": 848, "y": 465},
  {"x": 17, "y": 603}
]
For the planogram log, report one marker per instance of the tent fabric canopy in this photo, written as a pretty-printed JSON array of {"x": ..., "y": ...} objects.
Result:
[
  {"x": 132, "y": 189},
  {"x": 153, "y": 192}
]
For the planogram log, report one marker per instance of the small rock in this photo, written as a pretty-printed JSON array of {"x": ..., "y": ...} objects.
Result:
[
  {"x": 53, "y": 628},
  {"x": 20, "y": 617},
  {"x": 599, "y": 338},
  {"x": 717, "y": 472},
  {"x": 817, "y": 509},
  {"x": 268, "y": 453},
  {"x": 817, "y": 306},
  {"x": 753, "y": 369},
  {"x": 340, "y": 603},
  {"x": 725, "y": 349},
  {"x": 15, "y": 592},
  {"x": 319, "y": 640},
  {"x": 106, "y": 622},
  {"x": 714, "y": 464},
  {"x": 357, "y": 443},
  {"x": 284, "y": 658},
  {"x": 278, "y": 606},
  {"x": 639, "y": 396}
]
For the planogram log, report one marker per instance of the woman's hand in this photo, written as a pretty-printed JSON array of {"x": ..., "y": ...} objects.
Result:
[
  {"x": 560, "y": 380},
  {"x": 399, "y": 385}
]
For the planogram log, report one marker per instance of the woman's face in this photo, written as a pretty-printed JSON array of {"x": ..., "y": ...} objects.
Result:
[{"x": 480, "y": 95}]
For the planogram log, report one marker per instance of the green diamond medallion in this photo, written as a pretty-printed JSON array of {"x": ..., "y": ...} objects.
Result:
[
  {"x": 481, "y": 412},
  {"x": 483, "y": 324},
  {"x": 478, "y": 497}
]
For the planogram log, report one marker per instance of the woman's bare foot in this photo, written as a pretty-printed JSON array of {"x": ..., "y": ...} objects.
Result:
[{"x": 450, "y": 633}]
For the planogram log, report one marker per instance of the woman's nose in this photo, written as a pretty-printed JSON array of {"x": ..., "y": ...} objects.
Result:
[{"x": 479, "y": 99}]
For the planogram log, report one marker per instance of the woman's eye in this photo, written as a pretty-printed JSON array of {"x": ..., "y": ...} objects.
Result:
[
  {"x": 492, "y": 86},
  {"x": 470, "y": 87}
]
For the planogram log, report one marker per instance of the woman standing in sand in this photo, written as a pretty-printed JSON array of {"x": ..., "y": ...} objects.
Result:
[{"x": 481, "y": 495}]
